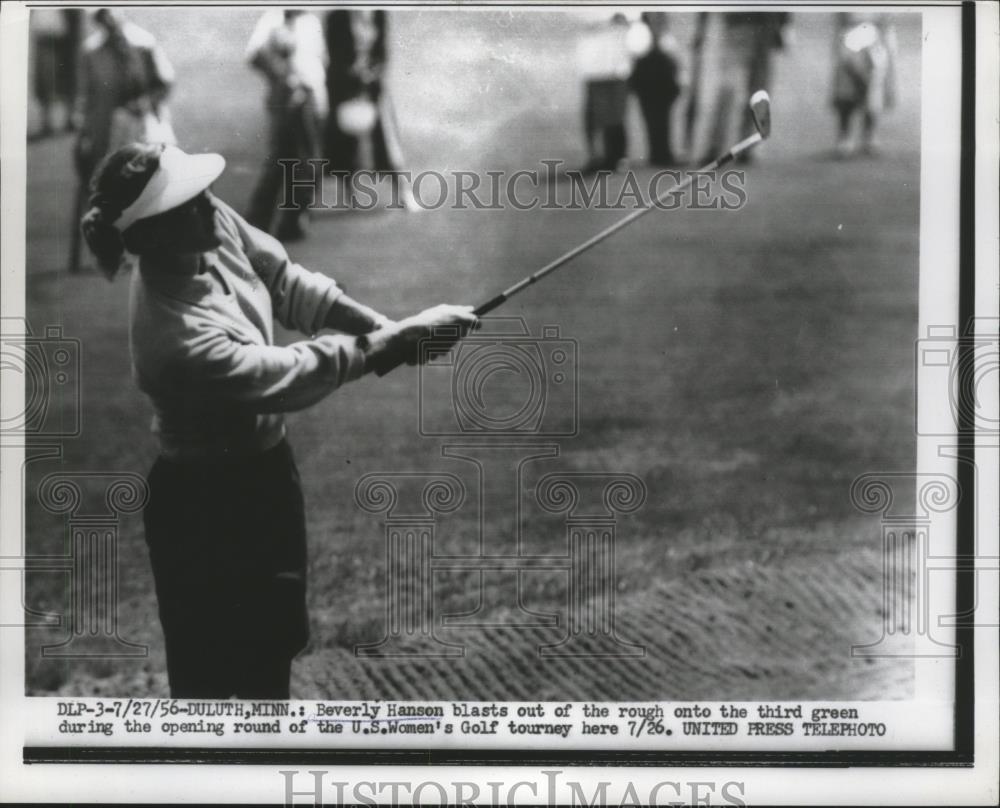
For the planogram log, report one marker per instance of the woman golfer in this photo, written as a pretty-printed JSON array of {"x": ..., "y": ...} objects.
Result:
[{"x": 225, "y": 521}]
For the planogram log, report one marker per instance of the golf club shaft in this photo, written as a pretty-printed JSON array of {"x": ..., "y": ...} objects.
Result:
[{"x": 596, "y": 239}]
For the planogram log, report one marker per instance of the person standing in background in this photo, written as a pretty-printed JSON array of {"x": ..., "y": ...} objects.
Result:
[
  {"x": 287, "y": 48},
  {"x": 746, "y": 44},
  {"x": 770, "y": 35},
  {"x": 604, "y": 64},
  {"x": 56, "y": 41},
  {"x": 362, "y": 132},
  {"x": 123, "y": 80},
  {"x": 864, "y": 81},
  {"x": 657, "y": 81}
]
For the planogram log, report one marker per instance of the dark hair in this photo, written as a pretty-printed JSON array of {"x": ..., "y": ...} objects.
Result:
[
  {"x": 116, "y": 184},
  {"x": 106, "y": 17}
]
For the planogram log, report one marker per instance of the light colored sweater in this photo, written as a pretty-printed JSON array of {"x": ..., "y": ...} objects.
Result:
[{"x": 202, "y": 345}]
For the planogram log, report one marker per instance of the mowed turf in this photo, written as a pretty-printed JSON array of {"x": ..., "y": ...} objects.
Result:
[{"x": 745, "y": 365}]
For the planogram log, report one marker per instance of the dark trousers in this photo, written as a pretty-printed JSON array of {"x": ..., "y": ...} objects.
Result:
[
  {"x": 604, "y": 122},
  {"x": 227, "y": 543},
  {"x": 656, "y": 116},
  {"x": 282, "y": 190},
  {"x": 615, "y": 144}
]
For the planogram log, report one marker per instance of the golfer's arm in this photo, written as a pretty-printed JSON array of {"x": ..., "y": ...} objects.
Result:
[
  {"x": 352, "y": 317},
  {"x": 266, "y": 378},
  {"x": 303, "y": 300}
]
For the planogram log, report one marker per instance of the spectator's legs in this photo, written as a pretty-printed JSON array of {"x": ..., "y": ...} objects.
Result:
[
  {"x": 75, "y": 243},
  {"x": 656, "y": 115},
  {"x": 69, "y": 49},
  {"x": 845, "y": 111},
  {"x": 84, "y": 170},
  {"x": 301, "y": 185},
  {"x": 758, "y": 78},
  {"x": 264, "y": 199},
  {"x": 668, "y": 139},
  {"x": 590, "y": 134},
  {"x": 387, "y": 153},
  {"x": 275, "y": 186},
  {"x": 868, "y": 121},
  {"x": 46, "y": 81},
  {"x": 615, "y": 145},
  {"x": 721, "y": 117},
  {"x": 731, "y": 96}
]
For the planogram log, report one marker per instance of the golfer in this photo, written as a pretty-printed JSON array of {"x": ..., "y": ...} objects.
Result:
[{"x": 225, "y": 521}]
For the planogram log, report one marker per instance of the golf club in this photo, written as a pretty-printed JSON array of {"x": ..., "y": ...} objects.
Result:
[{"x": 760, "y": 111}]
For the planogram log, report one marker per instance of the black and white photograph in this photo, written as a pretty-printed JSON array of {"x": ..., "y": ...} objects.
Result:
[{"x": 470, "y": 386}]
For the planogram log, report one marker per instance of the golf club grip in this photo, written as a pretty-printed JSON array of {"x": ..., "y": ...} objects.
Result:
[{"x": 489, "y": 305}]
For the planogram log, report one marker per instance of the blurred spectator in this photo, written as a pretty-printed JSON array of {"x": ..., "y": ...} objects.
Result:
[
  {"x": 56, "y": 35},
  {"x": 362, "y": 117},
  {"x": 770, "y": 34},
  {"x": 287, "y": 48},
  {"x": 657, "y": 80},
  {"x": 123, "y": 80},
  {"x": 864, "y": 82},
  {"x": 605, "y": 65},
  {"x": 747, "y": 42}
]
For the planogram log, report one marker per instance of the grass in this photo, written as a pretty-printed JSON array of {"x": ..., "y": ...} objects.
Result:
[{"x": 747, "y": 366}]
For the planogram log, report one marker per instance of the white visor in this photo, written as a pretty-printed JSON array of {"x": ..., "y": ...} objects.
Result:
[{"x": 179, "y": 179}]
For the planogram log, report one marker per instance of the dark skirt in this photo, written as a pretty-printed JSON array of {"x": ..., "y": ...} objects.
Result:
[{"x": 227, "y": 542}]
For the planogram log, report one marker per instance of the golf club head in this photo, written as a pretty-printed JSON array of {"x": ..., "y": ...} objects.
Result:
[{"x": 760, "y": 109}]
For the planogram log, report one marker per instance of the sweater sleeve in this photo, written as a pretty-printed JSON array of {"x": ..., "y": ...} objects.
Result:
[
  {"x": 301, "y": 299},
  {"x": 262, "y": 378}
]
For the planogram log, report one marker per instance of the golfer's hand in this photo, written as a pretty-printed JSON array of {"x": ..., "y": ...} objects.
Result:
[
  {"x": 445, "y": 324},
  {"x": 398, "y": 343}
]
